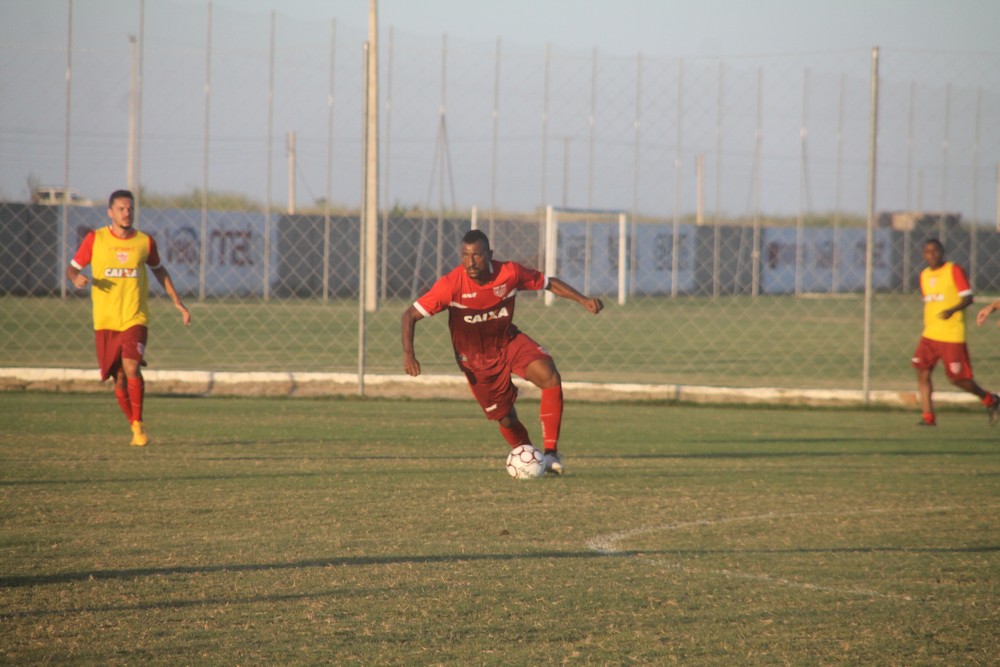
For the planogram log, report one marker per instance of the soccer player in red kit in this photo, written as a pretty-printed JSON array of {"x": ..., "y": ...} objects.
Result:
[
  {"x": 118, "y": 255},
  {"x": 479, "y": 296}
]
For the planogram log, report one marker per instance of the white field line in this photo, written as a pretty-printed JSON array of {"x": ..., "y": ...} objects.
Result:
[
  {"x": 217, "y": 382},
  {"x": 608, "y": 545}
]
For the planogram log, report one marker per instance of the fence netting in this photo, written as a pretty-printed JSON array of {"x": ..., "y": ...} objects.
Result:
[{"x": 718, "y": 206}]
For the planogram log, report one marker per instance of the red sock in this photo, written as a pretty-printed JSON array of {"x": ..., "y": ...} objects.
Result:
[
  {"x": 515, "y": 436},
  {"x": 124, "y": 403},
  {"x": 929, "y": 417},
  {"x": 988, "y": 399},
  {"x": 136, "y": 392},
  {"x": 551, "y": 412}
]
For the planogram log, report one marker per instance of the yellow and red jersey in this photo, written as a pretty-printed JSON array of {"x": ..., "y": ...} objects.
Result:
[
  {"x": 943, "y": 288},
  {"x": 120, "y": 290}
]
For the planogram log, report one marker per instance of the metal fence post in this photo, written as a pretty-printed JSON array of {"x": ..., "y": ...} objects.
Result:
[{"x": 869, "y": 237}]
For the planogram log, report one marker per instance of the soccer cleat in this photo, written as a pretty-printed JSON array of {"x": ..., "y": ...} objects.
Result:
[
  {"x": 993, "y": 410},
  {"x": 139, "y": 436},
  {"x": 552, "y": 462}
]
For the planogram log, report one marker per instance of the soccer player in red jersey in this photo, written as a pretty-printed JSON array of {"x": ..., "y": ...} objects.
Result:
[
  {"x": 479, "y": 297},
  {"x": 118, "y": 255},
  {"x": 947, "y": 294}
]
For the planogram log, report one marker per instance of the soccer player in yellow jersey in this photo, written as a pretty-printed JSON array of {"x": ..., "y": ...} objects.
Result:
[
  {"x": 947, "y": 294},
  {"x": 118, "y": 255}
]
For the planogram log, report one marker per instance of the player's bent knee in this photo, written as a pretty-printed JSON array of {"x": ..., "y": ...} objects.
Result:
[
  {"x": 548, "y": 378},
  {"x": 551, "y": 382}
]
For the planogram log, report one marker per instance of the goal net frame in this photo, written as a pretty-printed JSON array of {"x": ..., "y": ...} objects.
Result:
[{"x": 553, "y": 214}]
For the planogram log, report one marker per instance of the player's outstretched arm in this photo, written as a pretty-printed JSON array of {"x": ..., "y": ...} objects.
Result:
[
  {"x": 408, "y": 327},
  {"x": 163, "y": 277},
  {"x": 985, "y": 311},
  {"x": 567, "y": 291}
]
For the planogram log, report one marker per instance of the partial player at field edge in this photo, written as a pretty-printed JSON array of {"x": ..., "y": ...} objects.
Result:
[{"x": 946, "y": 293}]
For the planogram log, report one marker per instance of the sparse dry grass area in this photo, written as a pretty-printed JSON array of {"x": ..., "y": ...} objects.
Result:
[{"x": 270, "y": 531}]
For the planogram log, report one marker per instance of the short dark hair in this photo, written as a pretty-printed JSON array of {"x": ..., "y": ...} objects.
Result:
[
  {"x": 936, "y": 242},
  {"x": 475, "y": 236},
  {"x": 120, "y": 194}
]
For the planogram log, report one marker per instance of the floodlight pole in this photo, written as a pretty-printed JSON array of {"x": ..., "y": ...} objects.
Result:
[
  {"x": 622, "y": 270},
  {"x": 370, "y": 268},
  {"x": 973, "y": 236},
  {"x": 870, "y": 229},
  {"x": 130, "y": 158},
  {"x": 206, "y": 142},
  {"x": 64, "y": 209},
  {"x": 329, "y": 162},
  {"x": 362, "y": 278},
  {"x": 551, "y": 236},
  {"x": 139, "y": 87},
  {"x": 270, "y": 150},
  {"x": 755, "y": 250},
  {"x": 291, "y": 172}
]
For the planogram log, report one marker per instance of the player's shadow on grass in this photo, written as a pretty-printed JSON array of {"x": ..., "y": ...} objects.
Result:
[
  {"x": 342, "y": 592},
  {"x": 21, "y": 581},
  {"x": 158, "y": 479},
  {"x": 339, "y": 593}
]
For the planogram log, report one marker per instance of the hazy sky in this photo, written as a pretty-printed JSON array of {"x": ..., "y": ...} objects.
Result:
[
  {"x": 836, "y": 34},
  {"x": 671, "y": 28}
]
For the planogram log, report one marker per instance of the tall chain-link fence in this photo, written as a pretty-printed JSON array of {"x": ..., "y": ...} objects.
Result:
[{"x": 719, "y": 206}]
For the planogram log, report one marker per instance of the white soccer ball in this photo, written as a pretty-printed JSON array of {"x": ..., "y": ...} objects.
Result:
[{"x": 525, "y": 462}]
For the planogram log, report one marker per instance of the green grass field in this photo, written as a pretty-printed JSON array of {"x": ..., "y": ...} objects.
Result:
[{"x": 303, "y": 532}]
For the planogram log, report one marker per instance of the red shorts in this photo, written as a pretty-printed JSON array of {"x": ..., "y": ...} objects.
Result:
[
  {"x": 113, "y": 346},
  {"x": 491, "y": 381},
  {"x": 953, "y": 356}
]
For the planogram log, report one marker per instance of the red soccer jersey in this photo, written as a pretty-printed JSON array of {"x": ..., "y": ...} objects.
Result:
[{"x": 480, "y": 317}]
